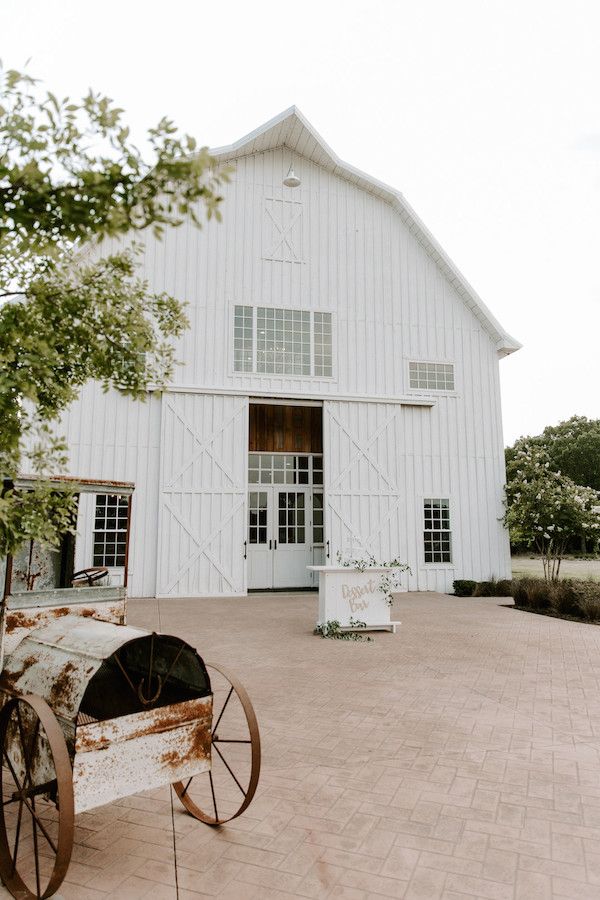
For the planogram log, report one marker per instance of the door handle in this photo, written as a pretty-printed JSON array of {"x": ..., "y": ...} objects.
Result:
[
  {"x": 270, "y": 545},
  {"x": 327, "y": 549},
  {"x": 275, "y": 545},
  {"x": 245, "y": 549}
]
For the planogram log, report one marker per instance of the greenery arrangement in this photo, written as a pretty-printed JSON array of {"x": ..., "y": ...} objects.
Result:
[
  {"x": 71, "y": 177},
  {"x": 389, "y": 582},
  {"x": 333, "y": 631}
]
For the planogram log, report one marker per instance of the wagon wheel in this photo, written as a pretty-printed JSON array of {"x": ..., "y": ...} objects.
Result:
[
  {"x": 36, "y": 794},
  {"x": 228, "y": 788}
]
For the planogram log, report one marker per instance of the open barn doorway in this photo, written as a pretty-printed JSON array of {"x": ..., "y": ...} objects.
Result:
[{"x": 285, "y": 495}]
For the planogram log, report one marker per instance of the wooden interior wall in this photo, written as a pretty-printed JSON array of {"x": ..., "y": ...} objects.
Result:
[{"x": 286, "y": 429}]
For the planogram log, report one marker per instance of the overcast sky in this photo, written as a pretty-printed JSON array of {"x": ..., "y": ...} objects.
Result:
[{"x": 486, "y": 115}]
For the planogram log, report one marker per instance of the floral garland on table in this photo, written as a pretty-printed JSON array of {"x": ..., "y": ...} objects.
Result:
[{"x": 389, "y": 581}]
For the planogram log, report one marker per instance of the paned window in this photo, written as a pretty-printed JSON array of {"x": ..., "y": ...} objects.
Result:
[
  {"x": 291, "y": 512},
  {"x": 283, "y": 468},
  {"x": 282, "y": 341},
  {"x": 257, "y": 517},
  {"x": 110, "y": 530},
  {"x": 322, "y": 336},
  {"x": 243, "y": 352},
  {"x": 437, "y": 537},
  {"x": 317, "y": 518},
  {"x": 427, "y": 376}
]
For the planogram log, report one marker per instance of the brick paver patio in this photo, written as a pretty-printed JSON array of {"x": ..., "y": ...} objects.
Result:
[{"x": 456, "y": 759}]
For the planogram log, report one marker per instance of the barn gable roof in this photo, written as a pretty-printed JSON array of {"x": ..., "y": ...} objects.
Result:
[{"x": 292, "y": 130}]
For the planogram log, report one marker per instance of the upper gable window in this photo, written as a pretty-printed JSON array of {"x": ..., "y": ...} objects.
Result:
[
  {"x": 282, "y": 341},
  {"x": 426, "y": 376}
]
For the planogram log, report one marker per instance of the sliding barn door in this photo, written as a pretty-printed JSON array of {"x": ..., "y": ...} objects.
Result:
[
  {"x": 202, "y": 515},
  {"x": 363, "y": 495}
]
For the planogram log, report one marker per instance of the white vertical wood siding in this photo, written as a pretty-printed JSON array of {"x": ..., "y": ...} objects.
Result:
[
  {"x": 110, "y": 436},
  {"x": 202, "y": 510},
  {"x": 389, "y": 300},
  {"x": 347, "y": 252},
  {"x": 380, "y": 461}
]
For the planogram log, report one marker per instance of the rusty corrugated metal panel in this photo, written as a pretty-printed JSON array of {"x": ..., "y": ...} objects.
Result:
[
  {"x": 58, "y": 660},
  {"x": 118, "y": 757},
  {"x": 19, "y": 622},
  {"x": 79, "y": 485}
]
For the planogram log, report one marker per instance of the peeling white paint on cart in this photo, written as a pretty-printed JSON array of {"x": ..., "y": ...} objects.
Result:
[{"x": 118, "y": 757}]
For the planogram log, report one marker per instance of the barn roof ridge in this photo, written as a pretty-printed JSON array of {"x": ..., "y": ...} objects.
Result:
[{"x": 292, "y": 129}]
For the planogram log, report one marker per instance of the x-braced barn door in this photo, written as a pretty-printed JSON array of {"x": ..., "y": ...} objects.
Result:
[
  {"x": 202, "y": 513},
  {"x": 363, "y": 494}
]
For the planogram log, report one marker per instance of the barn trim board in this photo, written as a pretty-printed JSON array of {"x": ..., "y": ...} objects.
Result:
[{"x": 332, "y": 296}]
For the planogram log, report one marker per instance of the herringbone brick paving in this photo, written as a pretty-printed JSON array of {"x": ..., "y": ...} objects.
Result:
[{"x": 456, "y": 759}]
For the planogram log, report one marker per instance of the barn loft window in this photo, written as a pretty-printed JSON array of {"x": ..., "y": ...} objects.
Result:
[
  {"x": 282, "y": 341},
  {"x": 437, "y": 536},
  {"x": 427, "y": 376},
  {"x": 243, "y": 351},
  {"x": 110, "y": 530}
]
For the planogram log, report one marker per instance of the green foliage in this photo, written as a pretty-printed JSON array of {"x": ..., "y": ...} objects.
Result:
[
  {"x": 566, "y": 598},
  {"x": 544, "y": 508},
  {"x": 493, "y": 588},
  {"x": 463, "y": 587},
  {"x": 333, "y": 631},
  {"x": 70, "y": 177},
  {"x": 573, "y": 448}
]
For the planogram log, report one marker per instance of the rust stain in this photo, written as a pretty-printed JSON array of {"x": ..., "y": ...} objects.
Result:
[
  {"x": 171, "y": 758},
  {"x": 197, "y": 748},
  {"x": 16, "y": 620},
  {"x": 86, "y": 741},
  {"x": 63, "y": 687},
  {"x": 10, "y": 679}
]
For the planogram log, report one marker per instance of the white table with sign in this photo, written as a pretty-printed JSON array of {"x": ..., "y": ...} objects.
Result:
[{"x": 348, "y": 595}]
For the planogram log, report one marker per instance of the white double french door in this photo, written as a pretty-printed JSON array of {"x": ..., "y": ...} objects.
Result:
[{"x": 279, "y": 545}]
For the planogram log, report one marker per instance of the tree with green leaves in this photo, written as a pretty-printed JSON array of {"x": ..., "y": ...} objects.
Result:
[
  {"x": 545, "y": 508},
  {"x": 70, "y": 177},
  {"x": 573, "y": 448}
]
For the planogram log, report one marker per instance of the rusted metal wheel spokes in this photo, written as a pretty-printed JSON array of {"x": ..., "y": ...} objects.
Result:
[
  {"x": 36, "y": 794},
  {"x": 227, "y": 789}
]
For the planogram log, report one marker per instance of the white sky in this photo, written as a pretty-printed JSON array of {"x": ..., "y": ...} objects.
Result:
[{"x": 486, "y": 115}]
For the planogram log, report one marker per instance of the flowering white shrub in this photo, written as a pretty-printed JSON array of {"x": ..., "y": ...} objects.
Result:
[{"x": 545, "y": 508}]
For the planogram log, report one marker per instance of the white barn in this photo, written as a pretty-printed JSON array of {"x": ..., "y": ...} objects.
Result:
[{"x": 338, "y": 392}]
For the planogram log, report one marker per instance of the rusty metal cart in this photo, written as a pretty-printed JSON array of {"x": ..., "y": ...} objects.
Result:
[{"x": 93, "y": 710}]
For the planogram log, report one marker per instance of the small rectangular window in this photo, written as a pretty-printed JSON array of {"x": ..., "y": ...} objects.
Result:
[
  {"x": 437, "y": 537},
  {"x": 110, "y": 530},
  {"x": 426, "y": 376}
]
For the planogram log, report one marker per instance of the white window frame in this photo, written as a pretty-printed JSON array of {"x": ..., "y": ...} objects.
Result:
[
  {"x": 281, "y": 375},
  {"x": 449, "y": 392},
  {"x": 438, "y": 495},
  {"x": 118, "y": 532}
]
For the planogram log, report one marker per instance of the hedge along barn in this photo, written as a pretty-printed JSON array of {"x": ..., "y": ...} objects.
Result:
[{"x": 338, "y": 392}]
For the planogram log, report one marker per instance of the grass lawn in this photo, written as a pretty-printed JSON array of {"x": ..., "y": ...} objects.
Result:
[{"x": 569, "y": 568}]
